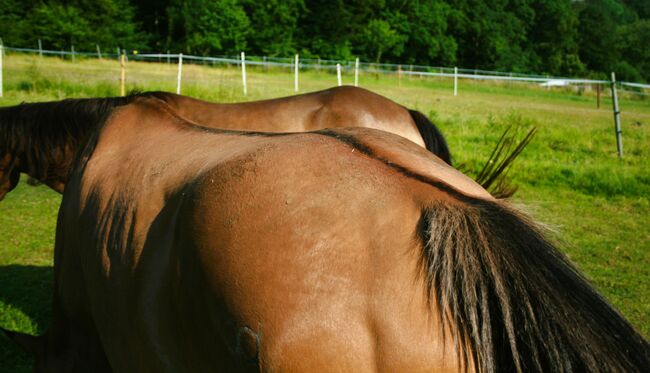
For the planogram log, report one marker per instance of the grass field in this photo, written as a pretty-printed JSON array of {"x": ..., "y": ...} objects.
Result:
[{"x": 569, "y": 177}]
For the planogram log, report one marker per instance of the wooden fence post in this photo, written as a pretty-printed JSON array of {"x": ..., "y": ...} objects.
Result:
[
  {"x": 122, "y": 74},
  {"x": 40, "y": 48},
  {"x": 597, "y": 95},
  {"x": 617, "y": 118},
  {"x": 72, "y": 49},
  {"x": 455, "y": 81},
  {"x": 99, "y": 52}
]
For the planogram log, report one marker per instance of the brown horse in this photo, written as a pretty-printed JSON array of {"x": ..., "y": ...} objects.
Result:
[
  {"x": 186, "y": 248},
  {"x": 336, "y": 107}
]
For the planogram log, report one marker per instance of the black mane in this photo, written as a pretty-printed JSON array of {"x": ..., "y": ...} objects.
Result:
[{"x": 40, "y": 134}]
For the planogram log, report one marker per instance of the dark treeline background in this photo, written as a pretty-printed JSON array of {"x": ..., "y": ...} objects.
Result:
[{"x": 559, "y": 37}]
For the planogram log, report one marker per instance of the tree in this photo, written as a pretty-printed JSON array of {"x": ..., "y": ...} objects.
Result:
[
  {"x": 275, "y": 23},
  {"x": 378, "y": 37},
  {"x": 59, "y": 26},
  {"x": 597, "y": 36},
  {"x": 633, "y": 46},
  {"x": 208, "y": 26}
]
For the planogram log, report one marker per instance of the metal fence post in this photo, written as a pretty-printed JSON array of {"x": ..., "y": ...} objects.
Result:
[{"x": 617, "y": 119}]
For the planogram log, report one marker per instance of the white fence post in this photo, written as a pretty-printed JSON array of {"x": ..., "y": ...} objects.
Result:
[
  {"x": 243, "y": 71},
  {"x": 40, "y": 48},
  {"x": 180, "y": 73},
  {"x": 455, "y": 81},
  {"x": 617, "y": 118},
  {"x": 2, "y": 50},
  {"x": 356, "y": 72},
  {"x": 295, "y": 84},
  {"x": 338, "y": 73}
]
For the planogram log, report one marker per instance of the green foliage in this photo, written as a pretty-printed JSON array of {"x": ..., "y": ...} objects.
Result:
[
  {"x": 557, "y": 37},
  {"x": 207, "y": 27},
  {"x": 275, "y": 23},
  {"x": 378, "y": 37},
  {"x": 633, "y": 42}
]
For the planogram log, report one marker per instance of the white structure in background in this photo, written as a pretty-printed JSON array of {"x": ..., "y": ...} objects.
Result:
[{"x": 555, "y": 83}]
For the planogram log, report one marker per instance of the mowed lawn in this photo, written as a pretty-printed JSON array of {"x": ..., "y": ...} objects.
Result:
[{"x": 596, "y": 205}]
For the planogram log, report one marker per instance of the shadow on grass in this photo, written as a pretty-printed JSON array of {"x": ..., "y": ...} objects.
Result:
[{"x": 28, "y": 290}]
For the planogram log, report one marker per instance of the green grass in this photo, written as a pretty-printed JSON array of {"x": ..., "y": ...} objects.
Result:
[{"x": 569, "y": 177}]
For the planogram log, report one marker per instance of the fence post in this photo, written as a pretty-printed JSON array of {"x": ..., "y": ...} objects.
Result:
[
  {"x": 455, "y": 81},
  {"x": 122, "y": 74},
  {"x": 296, "y": 72},
  {"x": 597, "y": 95},
  {"x": 180, "y": 72},
  {"x": 399, "y": 75},
  {"x": 119, "y": 54},
  {"x": 2, "y": 51},
  {"x": 338, "y": 73},
  {"x": 40, "y": 48},
  {"x": 99, "y": 52},
  {"x": 356, "y": 72},
  {"x": 243, "y": 70},
  {"x": 72, "y": 49},
  {"x": 617, "y": 119}
]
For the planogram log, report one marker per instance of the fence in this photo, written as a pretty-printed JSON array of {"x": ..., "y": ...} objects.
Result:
[{"x": 297, "y": 64}]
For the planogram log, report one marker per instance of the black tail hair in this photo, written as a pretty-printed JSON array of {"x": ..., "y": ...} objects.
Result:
[
  {"x": 494, "y": 174},
  {"x": 513, "y": 301},
  {"x": 433, "y": 139}
]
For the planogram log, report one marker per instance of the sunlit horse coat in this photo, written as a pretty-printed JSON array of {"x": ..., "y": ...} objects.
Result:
[
  {"x": 67, "y": 123},
  {"x": 181, "y": 248}
]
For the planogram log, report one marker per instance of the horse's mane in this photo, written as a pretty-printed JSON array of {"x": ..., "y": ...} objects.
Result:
[
  {"x": 39, "y": 132},
  {"x": 513, "y": 301}
]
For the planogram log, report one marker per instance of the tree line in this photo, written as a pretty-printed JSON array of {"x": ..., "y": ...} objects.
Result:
[{"x": 558, "y": 37}]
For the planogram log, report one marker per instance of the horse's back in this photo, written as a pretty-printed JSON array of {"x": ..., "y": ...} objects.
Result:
[
  {"x": 331, "y": 108},
  {"x": 287, "y": 252}
]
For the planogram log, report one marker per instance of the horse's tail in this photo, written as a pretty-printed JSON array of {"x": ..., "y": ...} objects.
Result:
[
  {"x": 434, "y": 141},
  {"x": 513, "y": 301},
  {"x": 494, "y": 174}
]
